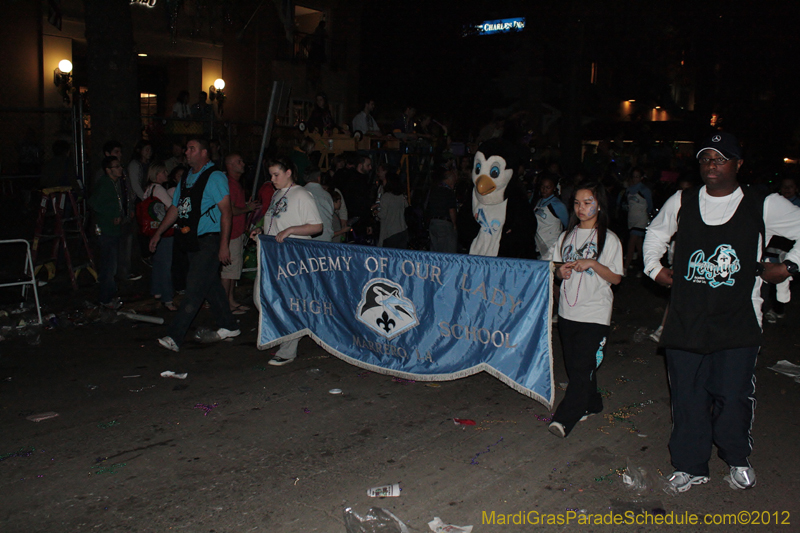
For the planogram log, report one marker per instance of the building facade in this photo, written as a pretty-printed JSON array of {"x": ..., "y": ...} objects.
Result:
[{"x": 313, "y": 46}]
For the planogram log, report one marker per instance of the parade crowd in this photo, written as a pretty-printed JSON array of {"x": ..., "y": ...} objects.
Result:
[{"x": 725, "y": 249}]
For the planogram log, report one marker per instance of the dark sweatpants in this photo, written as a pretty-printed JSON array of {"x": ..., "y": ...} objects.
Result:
[
  {"x": 713, "y": 401},
  {"x": 580, "y": 342}
]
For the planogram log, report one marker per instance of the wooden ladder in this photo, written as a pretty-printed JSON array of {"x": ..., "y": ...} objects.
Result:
[{"x": 56, "y": 197}]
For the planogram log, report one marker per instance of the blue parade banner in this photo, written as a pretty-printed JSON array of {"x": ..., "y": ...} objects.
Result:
[{"x": 415, "y": 315}]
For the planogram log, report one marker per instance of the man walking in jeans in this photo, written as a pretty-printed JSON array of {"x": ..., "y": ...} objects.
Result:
[
  {"x": 713, "y": 330},
  {"x": 201, "y": 207}
]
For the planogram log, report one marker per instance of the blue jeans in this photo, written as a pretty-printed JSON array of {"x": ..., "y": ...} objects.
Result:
[
  {"x": 161, "y": 282},
  {"x": 203, "y": 283},
  {"x": 109, "y": 253}
]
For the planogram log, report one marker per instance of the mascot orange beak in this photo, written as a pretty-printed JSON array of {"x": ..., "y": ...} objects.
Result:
[{"x": 484, "y": 185}]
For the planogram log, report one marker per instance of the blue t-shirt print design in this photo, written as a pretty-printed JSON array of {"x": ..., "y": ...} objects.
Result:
[
  {"x": 279, "y": 207},
  {"x": 718, "y": 270}
]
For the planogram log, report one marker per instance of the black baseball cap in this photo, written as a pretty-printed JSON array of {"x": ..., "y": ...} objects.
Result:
[{"x": 724, "y": 143}]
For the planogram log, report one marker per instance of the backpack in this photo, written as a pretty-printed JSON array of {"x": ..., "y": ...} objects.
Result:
[
  {"x": 149, "y": 213},
  {"x": 189, "y": 213}
]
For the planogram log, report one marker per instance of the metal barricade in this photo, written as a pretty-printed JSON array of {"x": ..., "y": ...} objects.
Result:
[{"x": 28, "y": 271}]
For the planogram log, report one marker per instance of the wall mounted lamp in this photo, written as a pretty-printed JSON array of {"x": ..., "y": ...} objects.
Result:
[
  {"x": 216, "y": 92},
  {"x": 62, "y": 78}
]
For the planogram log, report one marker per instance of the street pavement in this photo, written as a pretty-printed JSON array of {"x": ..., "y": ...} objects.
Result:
[{"x": 243, "y": 446}]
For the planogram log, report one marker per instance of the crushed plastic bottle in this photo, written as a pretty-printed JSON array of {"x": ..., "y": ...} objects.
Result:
[
  {"x": 106, "y": 316},
  {"x": 205, "y": 335},
  {"x": 133, "y": 315},
  {"x": 377, "y": 520},
  {"x": 23, "y": 307},
  {"x": 643, "y": 480},
  {"x": 437, "y": 525},
  {"x": 640, "y": 335},
  {"x": 31, "y": 335}
]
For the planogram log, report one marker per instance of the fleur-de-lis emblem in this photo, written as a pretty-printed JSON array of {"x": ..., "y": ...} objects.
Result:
[
  {"x": 385, "y": 322},
  {"x": 487, "y": 226}
]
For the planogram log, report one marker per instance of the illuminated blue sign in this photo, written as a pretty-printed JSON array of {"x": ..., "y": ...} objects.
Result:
[{"x": 501, "y": 26}]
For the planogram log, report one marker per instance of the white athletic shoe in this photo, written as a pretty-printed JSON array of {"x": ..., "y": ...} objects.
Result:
[
  {"x": 656, "y": 335},
  {"x": 772, "y": 317},
  {"x": 744, "y": 477},
  {"x": 277, "y": 360},
  {"x": 557, "y": 429},
  {"x": 223, "y": 333},
  {"x": 169, "y": 343},
  {"x": 681, "y": 481}
]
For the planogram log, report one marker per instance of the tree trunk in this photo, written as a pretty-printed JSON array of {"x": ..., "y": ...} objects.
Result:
[{"x": 113, "y": 85}]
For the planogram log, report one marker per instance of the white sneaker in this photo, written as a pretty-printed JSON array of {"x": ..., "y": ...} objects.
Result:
[
  {"x": 585, "y": 417},
  {"x": 557, "y": 429},
  {"x": 681, "y": 481},
  {"x": 656, "y": 335},
  {"x": 113, "y": 305},
  {"x": 279, "y": 361},
  {"x": 772, "y": 317},
  {"x": 169, "y": 343},
  {"x": 744, "y": 477},
  {"x": 223, "y": 333}
]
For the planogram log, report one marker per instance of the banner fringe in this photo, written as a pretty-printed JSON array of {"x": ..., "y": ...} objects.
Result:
[{"x": 452, "y": 376}]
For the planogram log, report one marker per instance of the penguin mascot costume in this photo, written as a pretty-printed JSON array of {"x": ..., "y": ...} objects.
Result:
[{"x": 502, "y": 217}]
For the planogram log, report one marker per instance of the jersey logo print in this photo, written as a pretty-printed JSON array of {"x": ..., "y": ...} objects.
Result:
[{"x": 717, "y": 270}]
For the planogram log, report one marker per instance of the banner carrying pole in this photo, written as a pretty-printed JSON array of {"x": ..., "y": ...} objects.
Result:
[{"x": 278, "y": 88}]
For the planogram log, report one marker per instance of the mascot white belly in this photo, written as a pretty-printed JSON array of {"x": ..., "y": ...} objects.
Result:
[
  {"x": 491, "y": 219},
  {"x": 490, "y": 174}
]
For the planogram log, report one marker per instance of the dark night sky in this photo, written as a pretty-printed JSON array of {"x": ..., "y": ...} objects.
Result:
[{"x": 739, "y": 56}]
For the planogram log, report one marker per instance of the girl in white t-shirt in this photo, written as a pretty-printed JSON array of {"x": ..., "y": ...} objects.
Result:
[
  {"x": 161, "y": 283},
  {"x": 590, "y": 257},
  {"x": 291, "y": 213}
]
